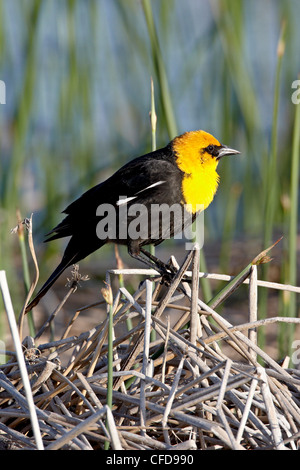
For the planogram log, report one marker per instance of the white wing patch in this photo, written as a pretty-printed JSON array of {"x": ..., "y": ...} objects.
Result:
[
  {"x": 151, "y": 186},
  {"x": 124, "y": 200}
]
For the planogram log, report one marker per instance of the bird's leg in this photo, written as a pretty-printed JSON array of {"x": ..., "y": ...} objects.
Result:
[
  {"x": 166, "y": 272},
  {"x": 144, "y": 260},
  {"x": 134, "y": 252},
  {"x": 158, "y": 263}
]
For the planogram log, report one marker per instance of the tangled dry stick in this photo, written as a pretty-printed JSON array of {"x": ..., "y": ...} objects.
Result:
[{"x": 179, "y": 391}]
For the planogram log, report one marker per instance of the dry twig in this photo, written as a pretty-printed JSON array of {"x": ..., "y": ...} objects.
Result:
[{"x": 195, "y": 396}]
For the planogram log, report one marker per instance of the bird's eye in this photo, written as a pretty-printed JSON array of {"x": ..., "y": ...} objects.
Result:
[{"x": 210, "y": 149}]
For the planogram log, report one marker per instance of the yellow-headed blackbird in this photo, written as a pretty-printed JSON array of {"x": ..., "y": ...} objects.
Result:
[{"x": 182, "y": 174}]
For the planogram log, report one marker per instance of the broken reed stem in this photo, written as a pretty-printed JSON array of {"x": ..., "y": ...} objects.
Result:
[
  {"x": 170, "y": 400},
  {"x": 21, "y": 361},
  {"x": 28, "y": 225},
  {"x": 246, "y": 411},
  {"x": 146, "y": 355},
  {"x": 249, "y": 326},
  {"x": 108, "y": 297},
  {"x": 270, "y": 409},
  {"x": 53, "y": 315},
  {"x": 211, "y": 276},
  {"x": 253, "y": 307},
  {"x": 194, "y": 318}
]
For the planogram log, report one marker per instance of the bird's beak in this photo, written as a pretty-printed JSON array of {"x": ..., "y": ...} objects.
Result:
[{"x": 226, "y": 151}]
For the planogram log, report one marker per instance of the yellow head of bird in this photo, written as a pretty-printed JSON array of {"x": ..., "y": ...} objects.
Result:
[
  {"x": 197, "y": 154},
  {"x": 198, "y": 150}
]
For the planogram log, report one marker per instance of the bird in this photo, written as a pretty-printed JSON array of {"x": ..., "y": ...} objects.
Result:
[{"x": 183, "y": 175}]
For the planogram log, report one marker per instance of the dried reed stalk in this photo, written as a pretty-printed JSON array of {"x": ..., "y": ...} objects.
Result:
[{"x": 183, "y": 391}]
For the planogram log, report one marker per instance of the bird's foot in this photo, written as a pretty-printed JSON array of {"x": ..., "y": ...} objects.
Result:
[{"x": 168, "y": 274}]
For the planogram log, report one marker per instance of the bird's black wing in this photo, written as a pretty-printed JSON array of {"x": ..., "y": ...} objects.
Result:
[{"x": 153, "y": 178}]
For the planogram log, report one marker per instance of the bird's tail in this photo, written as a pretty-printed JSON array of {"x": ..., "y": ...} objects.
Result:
[{"x": 65, "y": 263}]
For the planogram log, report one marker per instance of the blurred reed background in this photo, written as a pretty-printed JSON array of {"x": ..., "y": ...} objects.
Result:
[{"x": 77, "y": 77}]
